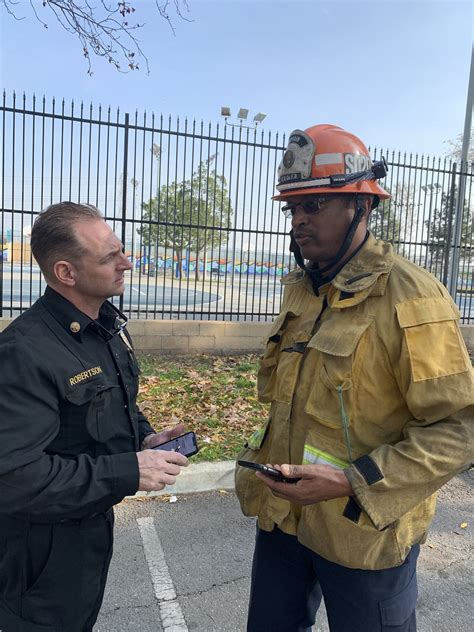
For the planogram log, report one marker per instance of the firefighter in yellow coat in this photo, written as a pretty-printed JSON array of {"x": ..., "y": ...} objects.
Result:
[{"x": 372, "y": 406}]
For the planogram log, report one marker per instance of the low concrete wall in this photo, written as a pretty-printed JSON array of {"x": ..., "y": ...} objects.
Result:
[
  {"x": 181, "y": 337},
  {"x": 191, "y": 336}
]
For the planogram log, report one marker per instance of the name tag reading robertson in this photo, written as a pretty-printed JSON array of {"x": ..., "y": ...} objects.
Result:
[{"x": 85, "y": 375}]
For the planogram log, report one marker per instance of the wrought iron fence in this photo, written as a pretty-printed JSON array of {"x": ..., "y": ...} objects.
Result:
[{"x": 192, "y": 205}]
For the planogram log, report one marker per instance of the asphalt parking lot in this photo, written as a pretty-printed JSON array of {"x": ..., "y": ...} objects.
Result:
[{"x": 185, "y": 565}]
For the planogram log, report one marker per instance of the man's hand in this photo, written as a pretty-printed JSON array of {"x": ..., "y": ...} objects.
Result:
[
  {"x": 151, "y": 440},
  {"x": 158, "y": 468},
  {"x": 318, "y": 482}
]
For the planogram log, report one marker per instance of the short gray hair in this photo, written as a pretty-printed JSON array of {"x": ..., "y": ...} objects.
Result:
[{"x": 52, "y": 235}]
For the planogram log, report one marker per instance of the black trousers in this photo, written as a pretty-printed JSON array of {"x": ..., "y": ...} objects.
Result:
[
  {"x": 289, "y": 580},
  {"x": 52, "y": 576}
]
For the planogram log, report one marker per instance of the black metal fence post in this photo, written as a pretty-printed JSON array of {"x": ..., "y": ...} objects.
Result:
[{"x": 124, "y": 188}]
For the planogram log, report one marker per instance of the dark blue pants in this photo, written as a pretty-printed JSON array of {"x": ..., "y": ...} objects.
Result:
[
  {"x": 289, "y": 580},
  {"x": 52, "y": 576}
]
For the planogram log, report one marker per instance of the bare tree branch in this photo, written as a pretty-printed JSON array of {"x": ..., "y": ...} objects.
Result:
[
  {"x": 106, "y": 29},
  {"x": 8, "y": 6},
  {"x": 455, "y": 151}
]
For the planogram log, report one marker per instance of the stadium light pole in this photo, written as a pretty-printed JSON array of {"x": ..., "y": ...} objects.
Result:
[
  {"x": 242, "y": 115},
  {"x": 454, "y": 268}
]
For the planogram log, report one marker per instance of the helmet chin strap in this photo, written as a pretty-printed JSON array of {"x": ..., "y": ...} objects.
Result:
[{"x": 317, "y": 273}]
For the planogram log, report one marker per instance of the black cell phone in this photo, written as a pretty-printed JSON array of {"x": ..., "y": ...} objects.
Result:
[
  {"x": 269, "y": 471},
  {"x": 185, "y": 444}
]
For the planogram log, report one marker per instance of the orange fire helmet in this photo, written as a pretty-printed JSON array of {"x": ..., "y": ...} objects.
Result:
[{"x": 327, "y": 159}]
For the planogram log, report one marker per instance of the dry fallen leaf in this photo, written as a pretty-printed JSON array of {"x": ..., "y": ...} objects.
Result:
[
  {"x": 463, "y": 525},
  {"x": 163, "y": 498}
]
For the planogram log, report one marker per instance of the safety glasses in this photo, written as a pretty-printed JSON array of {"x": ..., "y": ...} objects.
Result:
[{"x": 310, "y": 206}]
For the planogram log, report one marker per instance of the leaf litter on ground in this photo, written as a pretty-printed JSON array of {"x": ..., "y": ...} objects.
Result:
[{"x": 214, "y": 396}]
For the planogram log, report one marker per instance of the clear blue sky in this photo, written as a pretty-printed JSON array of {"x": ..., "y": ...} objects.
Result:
[{"x": 393, "y": 72}]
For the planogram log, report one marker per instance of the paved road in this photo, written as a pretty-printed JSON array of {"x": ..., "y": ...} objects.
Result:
[
  {"x": 142, "y": 294},
  {"x": 136, "y": 296},
  {"x": 248, "y": 294},
  {"x": 199, "y": 549}
]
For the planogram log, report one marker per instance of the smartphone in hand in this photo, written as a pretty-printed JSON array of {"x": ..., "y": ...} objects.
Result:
[
  {"x": 185, "y": 444},
  {"x": 269, "y": 471}
]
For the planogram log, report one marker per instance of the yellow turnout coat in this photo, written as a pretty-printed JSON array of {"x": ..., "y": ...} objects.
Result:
[{"x": 373, "y": 377}]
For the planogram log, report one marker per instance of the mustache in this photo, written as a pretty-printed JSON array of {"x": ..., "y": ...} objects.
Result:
[{"x": 299, "y": 234}]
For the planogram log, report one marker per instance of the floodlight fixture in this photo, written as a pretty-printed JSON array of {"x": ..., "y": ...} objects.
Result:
[
  {"x": 242, "y": 116},
  {"x": 258, "y": 118}
]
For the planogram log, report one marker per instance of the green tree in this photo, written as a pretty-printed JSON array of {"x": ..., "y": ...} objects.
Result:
[
  {"x": 387, "y": 221},
  {"x": 441, "y": 231},
  {"x": 187, "y": 216}
]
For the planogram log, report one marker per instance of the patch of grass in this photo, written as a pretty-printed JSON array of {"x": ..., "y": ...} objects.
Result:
[{"x": 214, "y": 396}]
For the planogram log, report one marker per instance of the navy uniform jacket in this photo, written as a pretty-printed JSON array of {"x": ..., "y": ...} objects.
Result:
[{"x": 69, "y": 424}]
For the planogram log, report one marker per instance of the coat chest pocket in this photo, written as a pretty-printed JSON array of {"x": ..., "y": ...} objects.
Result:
[
  {"x": 340, "y": 349},
  {"x": 281, "y": 337},
  {"x": 89, "y": 411}
]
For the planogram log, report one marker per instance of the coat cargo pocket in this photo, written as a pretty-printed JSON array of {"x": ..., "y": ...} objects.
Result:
[
  {"x": 330, "y": 399},
  {"x": 278, "y": 339},
  {"x": 247, "y": 486}
]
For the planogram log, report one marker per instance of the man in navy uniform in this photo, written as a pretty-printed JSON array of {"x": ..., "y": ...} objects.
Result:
[{"x": 74, "y": 442}]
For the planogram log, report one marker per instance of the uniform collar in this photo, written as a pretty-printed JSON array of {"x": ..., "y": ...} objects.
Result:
[
  {"x": 365, "y": 274},
  {"x": 110, "y": 321}
]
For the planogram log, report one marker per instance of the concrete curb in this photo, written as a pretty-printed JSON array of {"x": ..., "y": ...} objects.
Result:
[{"x": 199, "y": 477}]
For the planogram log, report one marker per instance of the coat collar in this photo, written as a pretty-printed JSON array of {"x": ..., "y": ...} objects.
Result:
[
  {"x": 369, "y": 268},
  {"x": 366, "y": 274},
  {"x": 75, "y": 322}
]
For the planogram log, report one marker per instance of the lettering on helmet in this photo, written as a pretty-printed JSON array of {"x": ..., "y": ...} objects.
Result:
[
  {"x": 289, "y": 177},
  {"x": 299, "y": 140},
  {"x": 356, "y": 162}
]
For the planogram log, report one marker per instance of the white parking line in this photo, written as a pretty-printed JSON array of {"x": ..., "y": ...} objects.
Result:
[
  {"x": 138, "y": 291},
  {"x": 171, "y": 616}
]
